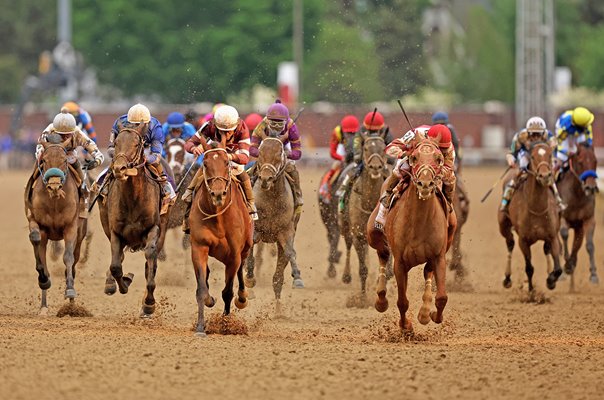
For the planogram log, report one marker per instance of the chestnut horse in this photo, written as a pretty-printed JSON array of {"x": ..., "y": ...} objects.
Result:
[
  {"x": 130, "y": 214},
  {"x": 363, "y": 198},
  {"x": 577, "y": 188},
  {"x": 277, "y": 219},
  {"x": 221, "y": 227},
  {"x": 533, "y": 214},
  {"x": 419, "y": 229},
  {"x": 53, "y": 214}
]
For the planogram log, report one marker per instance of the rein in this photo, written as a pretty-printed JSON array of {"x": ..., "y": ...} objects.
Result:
[{"x": 207, "y": 182}]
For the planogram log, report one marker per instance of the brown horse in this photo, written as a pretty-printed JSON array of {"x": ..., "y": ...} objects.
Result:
[
  {"x": 328, "y": 208},
  {"x": 533, "y": 214},
  {"x": 363, "y": 198},
  {"x": 277, "y": 219},
  {"x": 130, "y": 214},
  {"x": 221, "y": 227},
  {"x": 52, "y": 212},
  {"x": 419, "y": 229},
  {"x": 577, "y": 188}
]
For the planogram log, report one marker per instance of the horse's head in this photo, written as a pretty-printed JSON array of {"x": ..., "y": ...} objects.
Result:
[
  {"x": 373, "y": 156},
  {"x": 271, "y": 159},
  {"x": 541, "y": 163},
  {"x": 426, "y": 161},
  {"x": 175, "y": 156},
  {"x": 53, "y": 165},
  {"x": 129, "y": 148},
  {"x": 217, "y": 174},
  {"x": 583, "y": 165}
]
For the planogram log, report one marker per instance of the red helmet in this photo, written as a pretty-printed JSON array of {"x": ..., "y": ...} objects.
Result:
[
  {"x": 252, "y": 121},
  {"x": 349, "y": 124},
  {"x": 441, "y": 134},
  {"x": 373, "y": 122}
]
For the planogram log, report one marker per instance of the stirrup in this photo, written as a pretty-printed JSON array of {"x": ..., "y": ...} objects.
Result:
[
  {"x": 254, "y": 215},
  {"x": 378, "y": 225}
]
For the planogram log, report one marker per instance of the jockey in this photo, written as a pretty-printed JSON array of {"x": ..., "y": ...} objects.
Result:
[
  {"x": 373, "y": 125},
  {"x": 401, "y": 149},
  {"x": 572, "y": 128},
  {"x": 277, "y": 122},
  {"x": 226, "y": 122},
  {"x": 192, "y": 117},
  {"x": 83, "y": 119},
  {"x": 64, "y": 124},
  {"x": 154, "y": 142},
  {"x": 534, "y": 132},
  {"x": 176, "y": 127},
  {"x": 340, "y": 149},
  {"x": 441, "y": 117},
  {"x": 252, "y": 121}
]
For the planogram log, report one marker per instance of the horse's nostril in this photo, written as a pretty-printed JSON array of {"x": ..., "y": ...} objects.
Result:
[{"x": 224, "y": 192}]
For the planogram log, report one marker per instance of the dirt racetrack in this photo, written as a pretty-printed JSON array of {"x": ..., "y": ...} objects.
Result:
[{"x": 491, "y": 345}]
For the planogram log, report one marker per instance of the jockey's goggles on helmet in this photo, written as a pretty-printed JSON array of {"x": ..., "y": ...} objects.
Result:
[{"x": 276, "y": 124}]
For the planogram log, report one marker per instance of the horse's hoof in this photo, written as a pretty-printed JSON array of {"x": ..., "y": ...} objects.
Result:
[
  {"x": 381, "y": 305},
  {"x": 593, "y": 279},
  {"x": 424, "y": 316},
  {"x": 70, "y": 294},
  {"x": 110, "y": 288},
  {"x": 550, "y": 283},
  {"x": 434, "y": 317},
  {"x": 210, "y": 302},
  {"x": 128, "y": 278},
  {"x": 298, "y": 283},
  {"x": 250, "y": 282},
  {"x": 43, "y": 312},
  {"x": 240, "y": 304},
  {"x": 569, "y": 268},
  {"x": 346, "y": 278},
  {"x": 406, "y": 326},
  {"x": 331, "y": 272},
  {"x": 44, "y": 285},
  {"x": 507, "y": 282},
  {"x": 147, "y": 310},
  {"x": 201, "y": 334}
]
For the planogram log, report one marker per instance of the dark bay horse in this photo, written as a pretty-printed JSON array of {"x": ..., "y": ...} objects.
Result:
[
  {"x": 221, "y": 227},
  {"x": 130, "y": 214},
  {"x": 533, "y": 214},
  {"x": 363, "y": 198},
  {"x": 577, "y": 188},
  {"x": 53, "y": 214},
  {"x": 328, "y": 208},
  {"x": 277, "y": 220},
  {"x": 419, "y": 229}
]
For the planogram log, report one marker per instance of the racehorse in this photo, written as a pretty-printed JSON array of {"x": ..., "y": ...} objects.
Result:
[
  {"x": 130, "y": 214},
  {"x": 419, "y": 229},
  {"x": 363, "y": 198},
  {"x": 577, "y": 188},
  {"x": 277, "y": 220},
  {"x": 53, "y": 214},
  {"x": 221, "y": 227},
  {"x": 328, "y": 208},
  {"x": 533, "y": 214}
]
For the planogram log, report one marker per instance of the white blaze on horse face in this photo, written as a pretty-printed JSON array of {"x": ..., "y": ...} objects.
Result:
[
  {"x": 541, "y": 152},
  {"x": 215, "y": 156}
]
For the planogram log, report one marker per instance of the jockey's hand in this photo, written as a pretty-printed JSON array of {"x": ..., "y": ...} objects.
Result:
[
  {"x": 92, "y": 164},
  {"x": 511, "y": 160},
  {"x": 198, "y": 150}
]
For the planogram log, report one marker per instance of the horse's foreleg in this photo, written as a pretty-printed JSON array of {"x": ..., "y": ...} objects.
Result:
[
  {"x": 117, "y": 255},
  {"x": 505, "y": 228},
  {"x": 199, "y": 256},
  {"x": 564, "y": 235},
  {"x": 440, "y": 270},
  {"x": 241, "y": 299},
  {"x": 590, "y": 227},
  {"x": 71, "y": 237},
  {"x": 424, "y": 312},
  {"x": 528, "y": 266},
  {"x": 39, "y": 241},
  {"x": 346, "y": 275},
  {"x": 360, "y": 245},
  {"x": 230, "y": 271},
  {"x": 400, "y": 272},
  {"x": 151, "y": 252},
  {"x": 383, "y": 252},
  {"x": 278, "y": 276},
  {"x": 555, "y": 274},
  {"x": 571, "y": 261},
  {"x": 333, "y": 235},
  {"x": 250, "y": 279},
  {"x": 290, "y": 254}
]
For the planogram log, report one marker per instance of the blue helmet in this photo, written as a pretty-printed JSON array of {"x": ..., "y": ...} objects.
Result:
[
  {"x": 175, "y": 120},
  {"x": 440, "y": 117}
]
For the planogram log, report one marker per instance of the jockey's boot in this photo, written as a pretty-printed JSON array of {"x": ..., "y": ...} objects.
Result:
[
  {"x": 185, "y": 221},
  {"x": 248, "y": 191},
  {"x": 561, "y": 205},
  {"x": 385, "y": 200},
  {"x": 449, "y": 193},
  {"x": 510, "y": 187},
  {"x": 169, "y": 195},
  {"x": 294, "y": 180}
]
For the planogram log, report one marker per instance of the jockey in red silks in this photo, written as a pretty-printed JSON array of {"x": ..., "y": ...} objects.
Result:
[{"x": 401, "y": 149}]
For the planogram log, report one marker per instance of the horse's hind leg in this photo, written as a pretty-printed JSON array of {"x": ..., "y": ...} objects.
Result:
[
  {"x": 39, "y": 240},
  {"x": 571, "y": 260},
  {"x": 590, "y": 227},
  {"x": 278, "y": 276},
  {"x": 229, "y": 280},
  {"x": 553, "y": 276},
  {"x": 346, "y": 275},
  {"x": 440, "y": 270},
  {"x": 71, "y": 238},
  {"x": 564, "y": 235},
  {"x": 117, "y": 256},
  {"x": 250, "y": 279},
  {"x": 528, "y": 266},
  {"x": 150, "y": 271},
  {"x": 424, "y": 312},
  {"x": 290, "y": 254},
  {"x": 360, "y": 246},
  {"x": 199, "y": 256},
  {"x": 241, "y": 299},
  {"x": 400, "y": 271},
  {"x": 333, "y": 235},
  {"x": 505, "y": 228}
]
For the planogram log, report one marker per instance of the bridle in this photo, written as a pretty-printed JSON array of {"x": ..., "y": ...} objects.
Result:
[
  {"x": 546, "y": 163},
  {"x": 54, "y": 171},
  {"x": 207, "y": 181},
  {"x": 139, "y": 154},
  {"x": 276, "y": 171},
  {"x": 417, "y": 170},
  {"x": 371, "y": 156},
  {"x": 584, "y": 175}
]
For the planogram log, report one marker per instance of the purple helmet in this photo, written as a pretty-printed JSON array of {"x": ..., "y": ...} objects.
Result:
[{"x": 278, "y": 111}]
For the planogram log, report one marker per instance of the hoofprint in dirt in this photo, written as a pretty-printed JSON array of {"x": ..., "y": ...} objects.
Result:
[{"x": 491, "y": 344}]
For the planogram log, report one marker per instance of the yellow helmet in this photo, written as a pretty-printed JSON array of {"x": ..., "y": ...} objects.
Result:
[
  {"x": 139, "y": 113},
  {"x": 72, "y": 107},
  {"x": 582, "y": 117}
]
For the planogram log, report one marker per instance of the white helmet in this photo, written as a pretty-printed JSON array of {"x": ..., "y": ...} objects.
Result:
[
  {"x": 535, "y": 125},
  {"x": 64, "y": 122},
  {"x": 226, "y": 118},
  {"x": 139, "y": 113}
]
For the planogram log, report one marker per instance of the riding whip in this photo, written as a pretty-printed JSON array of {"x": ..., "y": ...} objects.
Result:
[
  {"x": 93, "y": 202},
  {"x": 299, "y": 113},
  {"x": 186, "y": 174},
  {"x": 495, "y": 184},
  {"x": 404, "y": 113}
]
